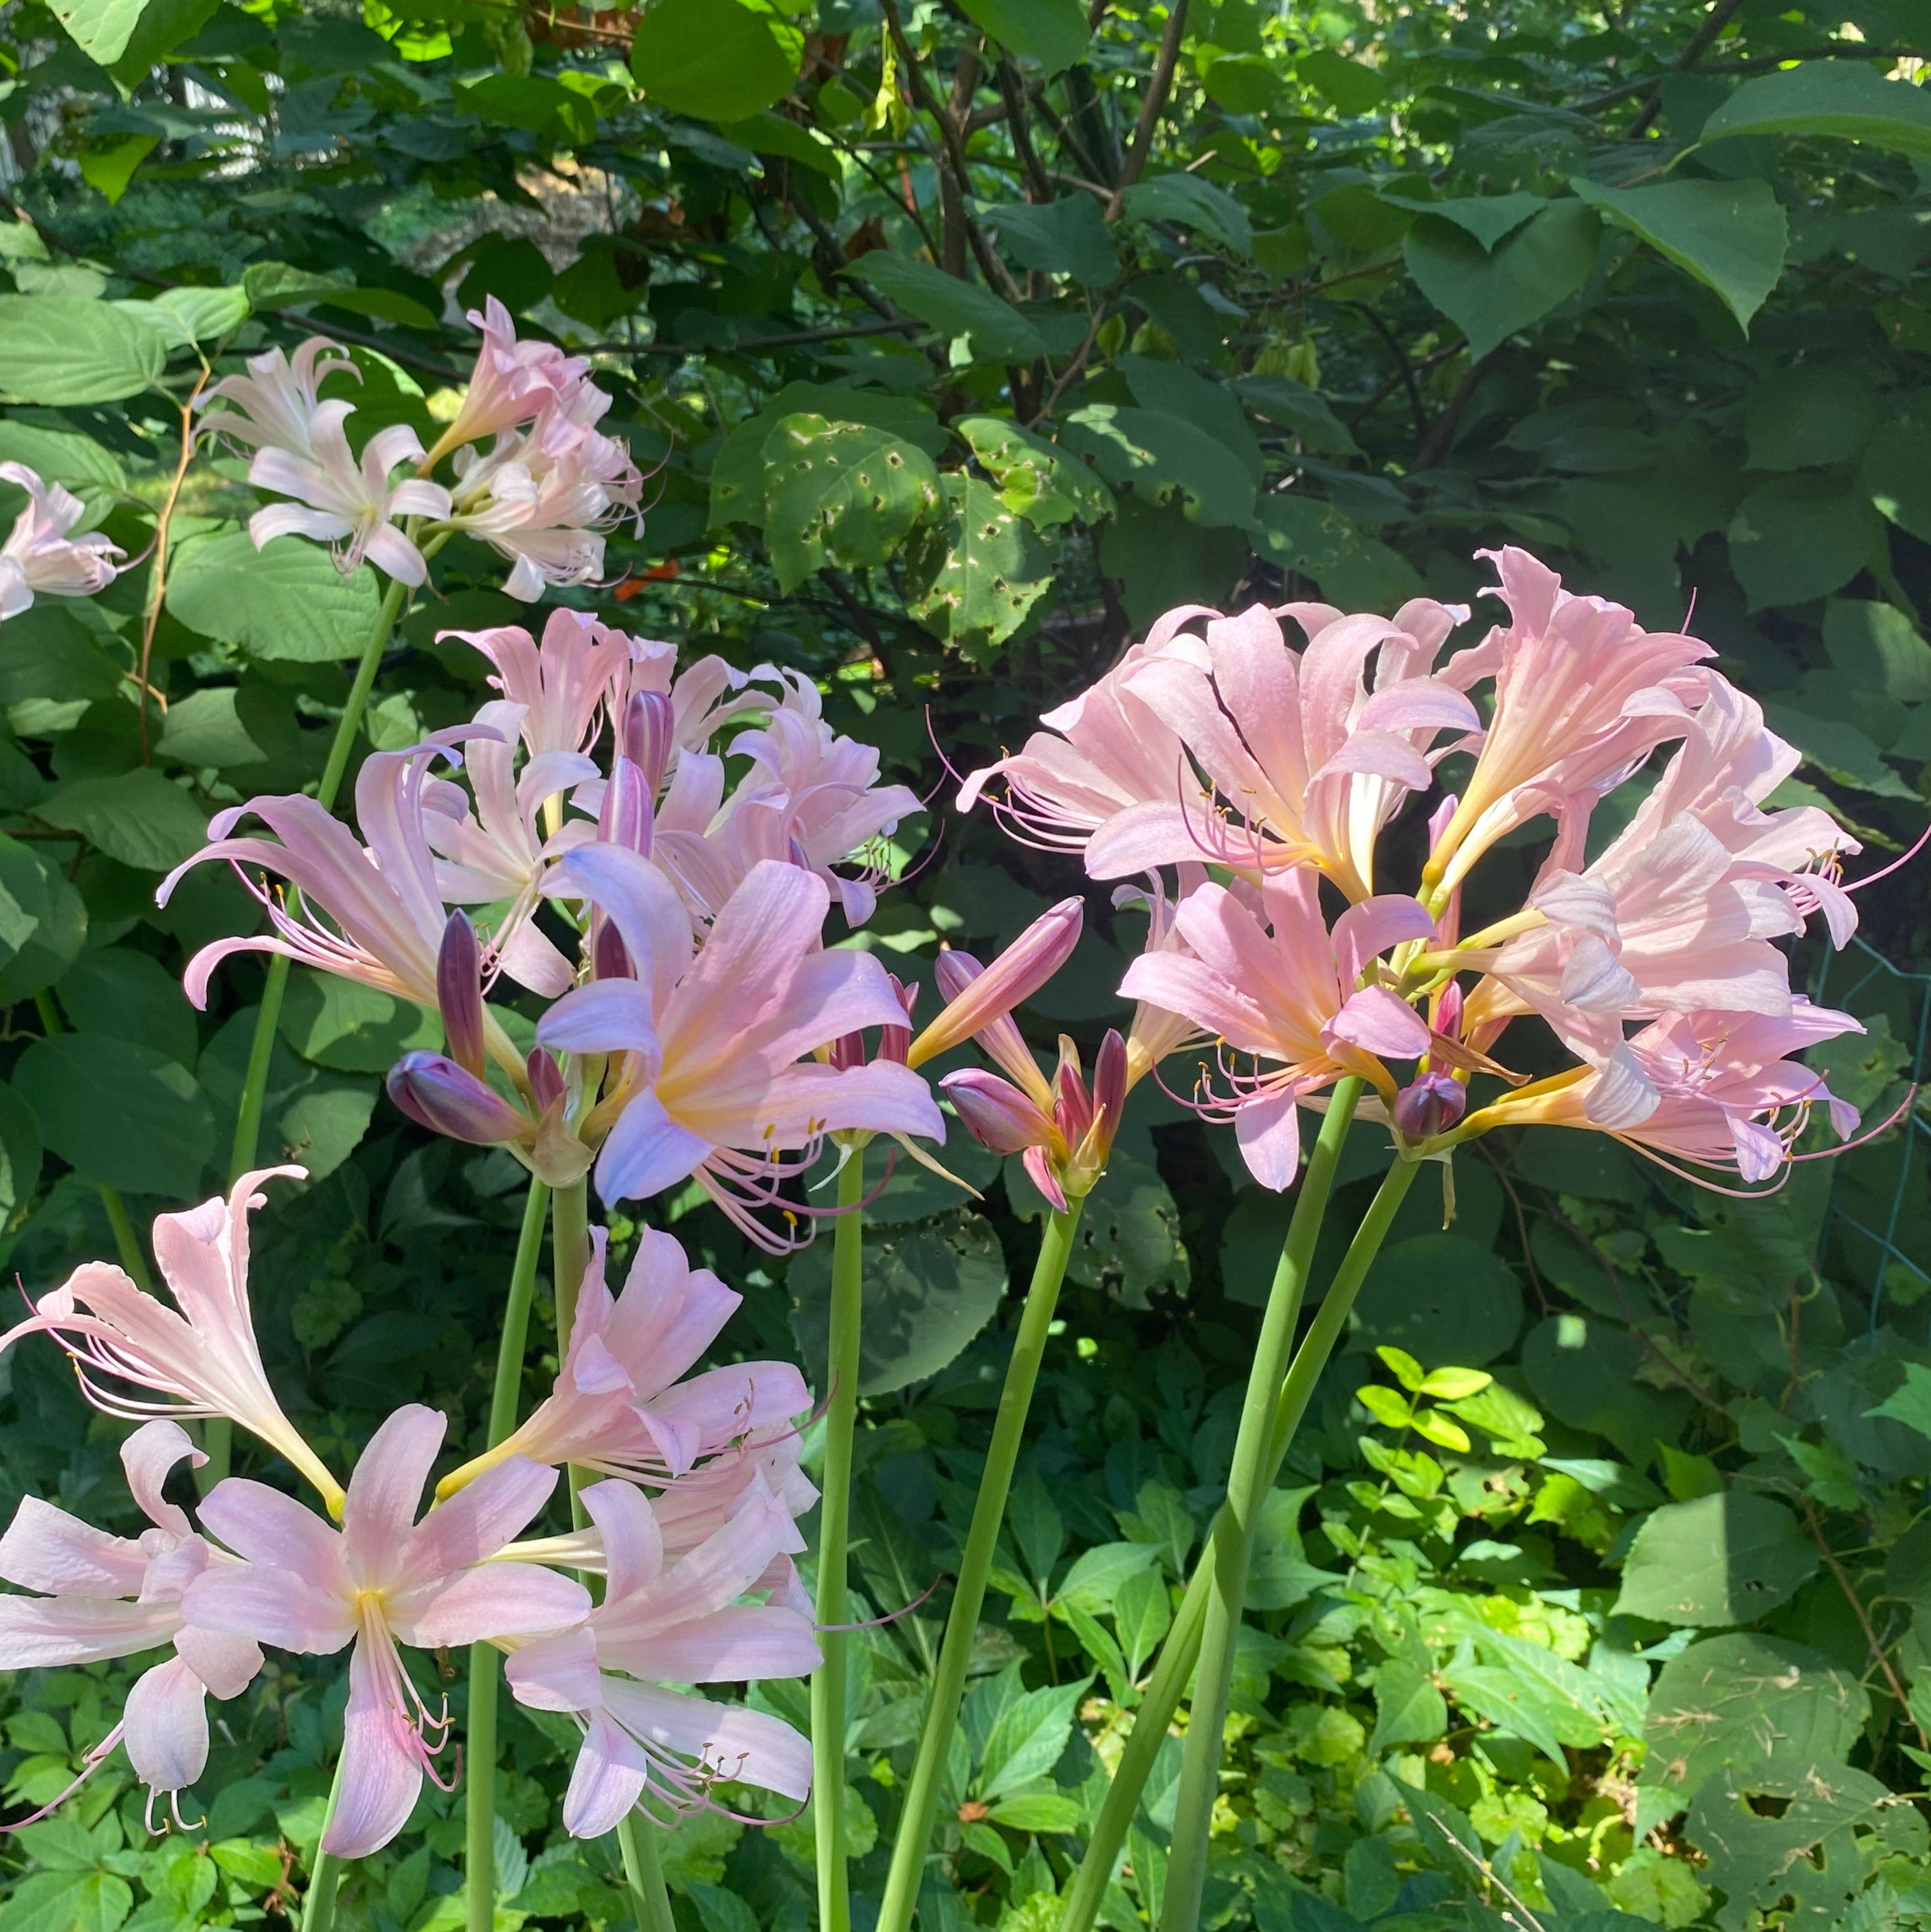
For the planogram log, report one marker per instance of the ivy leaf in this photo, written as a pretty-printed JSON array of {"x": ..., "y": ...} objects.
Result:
[
  {"x": 1847, "y": 98},
  {"x": 1490, "y": 293},
  {"x": 1732, "y": 235},
  {"x": 840, "y": 493},
  {"x": 979, "y": 573}
]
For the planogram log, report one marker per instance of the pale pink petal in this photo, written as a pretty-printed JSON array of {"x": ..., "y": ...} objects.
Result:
[
  {"x": 386, "y": 1486},
  {"x": 148, "y": 1455},
  {"x": 732, "y": 1741},
  {"x": 1376, "y": 1020},
  {"x": 737, "y": 1644},
  {"x": 1267, "y": 1128},
  {"x": 632, "y": 1548},
  {"x": 1622, "y": 1095},
  {"x": 556, "y": 1673},
  {"x": 606, "y": 1781},
  {"x": 380, "y": 1770},
  {"x": 272, "y": 1605},
  {"x": 647, "y": 1152},
  {"x": 39, "y": 1632},
  {"x": 271, "y": 1528},
  {"x": 227, "y": 1663},
  {"x": 45, "y": 1549},
  {"x": 476, "y": 1522},
  {"x": 493, "y": 1600},
  {"x": 166, "y": 1721}
]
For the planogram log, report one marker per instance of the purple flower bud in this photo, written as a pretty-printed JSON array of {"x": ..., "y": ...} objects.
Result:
[
  {"x": 649, "y": 727},
  {"x": 610, "y": 957},
  {"x": 1072, "y": 1106},
  {"x": 995, "y": 1112},
  {"x": 627, "y": 815},
  {"x": 436, "y": 1094},
  {"x": 1109, "y": 1084},
  {"x": 978, "y": 998},
  {"x": 955, "y": 971},
  {"x": 546, "y": 1084},
  {"x": 459, "y": 991},
  {"x": 848, "y": 1050},
  {"x": 1429, "y": 1106},
  {"x": 1448, "y": 1010}
]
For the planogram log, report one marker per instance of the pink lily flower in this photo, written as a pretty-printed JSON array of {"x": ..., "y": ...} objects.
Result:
[
  {"x": 710, "y": 1083},
  {"x": 382, "y": 1580},
  {"x": 625, "y": 1402},
  {"x": 1719, "y": 1090},
  {"x": 565, "y": 685},
  {"x": 199, "y": 1357},
  {"x": 682, "y": 1622},
  {"x": 511, "y": 383},
  {"x": 1063, "y": 1133},
  {"x": 1265, "y": 976},
  {"x": 1583, "y": 694},
  {"x": 1305, "y": 762},
  {"x": 347, "y": 501},
  {"x": 278, "y": 397},
  {"x": 39, "y": 558},
  {"x": 105, "y": 1596},
  {"x": 385, "y": 900}
]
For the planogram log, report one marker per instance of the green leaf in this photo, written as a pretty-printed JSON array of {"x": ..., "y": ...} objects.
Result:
[
  {"x": 60, "y": 351},
  {"x": 123, "y": 995},
  {"x": 1795, "y": 537},
  {"x": 1094, "y": 1581},
  {"x": 1446, "y": 1301},
  {"x": 715, "y": 60},
  {"x": 1732, "y": 235},
  {"x": 1304, "y": 412},
  {"x": 287, "y": 601},
  {"x": 20, "y": 1152},
  {"x": 1027, "y": 1738},
  {"x": 1188, "y": 201},
  {"x": 1067, "y": 237},
  {"x": 277, "y": 285},
  {"x": 354, "y": 1029},
  {"x": 62, "y": 456},
  {"x": 841, "y": 494},
  {"x": 1810, "y": 417},
  {"x": 1490, "y": 294},
  {"x": 974, "y": 576},
  {"x": 315, "y": 1116},
  {"x": 1351, "y": 87},
  {"x": 1052, "y": 32},
  {"x": 1722, "y": 1559},
  {"x": 120, "y": 1113},
  {"x": 1490, "y": 218},
  {"x": 1142, "y": 1614},
  {"x": 1158, "y": 457},
  {"x": 1039, "y": 1811},
  {"x": 1910, "y": 1402},
  {"x": 140, "y": 817},
  {"x": 1847, "y": 98},
  {"x": 100, "y": 28},
  {"x": 1742, "y": 1701},
  {"x": 34, "y": 888},
  {"x": 996, "y": 330},
  {"x": 1839, "y": 751},
  {"x": 1035, "y": 479},
  {"x": 1172, "y": 388},
  {"x": 929, "y": 1289},
  {"x": 1408, "y": 1707},
  {"x": 1279, "y": 1575},
  {"x": 108, "y": 170},
  {"x": 1894, "y": 474}
]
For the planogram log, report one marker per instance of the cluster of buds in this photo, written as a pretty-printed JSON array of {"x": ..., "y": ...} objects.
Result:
[
  {"x": 542, "y": 494},
  {"x": 695, "y": 1527}
]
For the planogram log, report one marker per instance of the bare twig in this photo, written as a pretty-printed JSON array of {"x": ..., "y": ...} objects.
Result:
[
  {"x": 1718, "y": 17},
  {"x": 1152, "y": 103},
  {"x": 157, "y": 580},
  {"x": 1070, "y": 373},
  {"x": 1012, "y": 89}
]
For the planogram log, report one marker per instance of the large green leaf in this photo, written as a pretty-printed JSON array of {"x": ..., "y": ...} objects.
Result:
[
  {"x": 1052, "y": 32},
  {"x": 1795, "y": 537},
  {"x": 1848, "y": 98},
  {"x": 286, "y": 601},
  {"x": 1730, "y": 235},
  {"x": 1742, "y": 1701},
  {"x": 1188, "y": 201},
  {"x": 121, "y": 1113},
  {"x": 1725, "y": 1558},
  {"x": 62, "y": 456},
  {"x": 996, "y": 330},
  {"x": 1490, "y": 293},
  {"x": 716, "y": 60},
  {"x": 1448, "y": 1302},
  {"x": 1490, "y": 218},
  {"x": 840, "y": 493},
  {"x": 60, "y": 351},
  {"x": 1027, "y": 1738},
  {"x": 1067, "y": 237},
  {"x": 1035, "y": 479},
  {"x": 1158, "y": 456},
  {"x": 101, "y": 29},
  {"x": 929, "y": 1289},
  {"x": 140, "y": 817},
  {"x": 977, "y": 574}
]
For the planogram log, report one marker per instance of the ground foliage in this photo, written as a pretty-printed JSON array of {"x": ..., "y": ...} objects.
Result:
[{"x": 963, "y": 340}]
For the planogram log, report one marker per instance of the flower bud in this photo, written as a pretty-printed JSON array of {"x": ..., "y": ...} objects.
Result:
[
  {"x": 649, "y": 727},
  {"x": 996, "y": 1113},
  {"x": 1072, "y": 1107},
  {"x": 1448, "y": 1010},
  {"x": 894, "y": 1043},
  {"x": 546, "y": 1084},
  {"x": 1109, "y": 1084},
  {"x": 977, "y": 997},
  {"x": 437, "y": 1093},
  {"x": 610, "y": 957},
  {"x": 459, "y": 991},
  {"x": 846, "y": 1051},
  {"x": 1430, "y": 1105},
  {"x": 627, "y": 814}
]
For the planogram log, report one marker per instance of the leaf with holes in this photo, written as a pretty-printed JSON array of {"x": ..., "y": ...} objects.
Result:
[
  {"x": 841, "y": 494},
  {"x": 976, "y": 576},
  {"x": 1722, "y": 1559},
  {"x": 1035, "y": 479}
]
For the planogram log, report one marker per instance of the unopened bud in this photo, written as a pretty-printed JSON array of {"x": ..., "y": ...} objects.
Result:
[
  {"x": 1430, "y": 1105},
  {"x": 459, "y": 991},
  {"x": 1448, "y": 1010},
  {"x": 1072, "y": 1105},
  {"x": 437, "y": 1093},
  {"x": 610, "y": 957},
  {"x": 1109, "y": 1083},
  {"x": 846, "y": 1051},
  {"x": 627, "y": 812},
  {"x": 546, "y": 1084},
  {"x": 996, "y": 1113},
  {"x": 649, "y": 727},
  {"x": 977, "y": 997}
]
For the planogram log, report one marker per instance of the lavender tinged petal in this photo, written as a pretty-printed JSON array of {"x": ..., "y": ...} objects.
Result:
[
  {"x": 437, "y": 1093},
  {"x": 459, "y": 992}
]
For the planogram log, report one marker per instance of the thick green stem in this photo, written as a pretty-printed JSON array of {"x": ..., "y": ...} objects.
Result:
[
  {"x": 828, "y": 1685},
  {"x": 643, "y": 1872},
  {"x": 479, "y": 1796},
  {"x": 1015, "y": 1398},
  {"x": 1252, "y": 1478},
  {"x": 324, "y": 1875},
  {"x": 1248, "y": 1479},
  {"x": 219, "y": 1436},
  {"x": 1181, "y": 1650}
]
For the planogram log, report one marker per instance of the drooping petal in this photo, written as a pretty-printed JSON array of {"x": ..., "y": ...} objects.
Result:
[
  {"x": 606, "y": 1780},
  {"x": 39, "y": 1632},
  {"x": 380, "y": 1770},
  {"x": 1267, "y": 1128},
  {"x": 167, "y": 1726},
  {"x": 732, "y": 1741},
  {"x": 272, "y": 1605},
  {"x": 45, "y": 1549}
]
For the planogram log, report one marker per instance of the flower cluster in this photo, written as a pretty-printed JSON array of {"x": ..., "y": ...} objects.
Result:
[
  {"x": 1216, "y": 746},
  {"x": 694, "y": 1530},
  {"x": 655, "y": 852},
  {"x": 541, "y": 493},
  {"x": 39, "y": 558}
]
